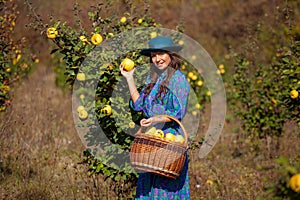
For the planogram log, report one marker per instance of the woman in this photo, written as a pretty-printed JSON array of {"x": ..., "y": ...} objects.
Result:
[{"x": 165, "y": 92}]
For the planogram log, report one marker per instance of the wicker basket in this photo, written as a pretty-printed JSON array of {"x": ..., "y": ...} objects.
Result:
[{"x": 157, "y": 155}]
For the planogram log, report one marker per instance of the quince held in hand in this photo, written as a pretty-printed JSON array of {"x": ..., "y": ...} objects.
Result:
[{"x": 127, "y": 64}]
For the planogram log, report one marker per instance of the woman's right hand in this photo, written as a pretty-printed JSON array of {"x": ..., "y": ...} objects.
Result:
[
  {"x": 126, "y": 74},
  {"x": 146, "y": 122}
]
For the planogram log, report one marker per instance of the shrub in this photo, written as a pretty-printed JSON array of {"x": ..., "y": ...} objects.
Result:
[
  {"x": 15, "y": 59},
  {"x": 287, "y": 185}
]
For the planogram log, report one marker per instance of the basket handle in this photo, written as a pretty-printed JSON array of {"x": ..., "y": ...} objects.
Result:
[{"x": 161, "y": 118}]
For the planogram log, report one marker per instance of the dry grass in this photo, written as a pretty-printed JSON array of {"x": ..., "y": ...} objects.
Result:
[
  {"x": 237, "y": 170},
  {"x": 39, "y": 144},
  {"x": 41, "y": 151}
]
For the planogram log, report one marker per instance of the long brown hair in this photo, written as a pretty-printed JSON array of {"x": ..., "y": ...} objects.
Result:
[{"x": 174, "y": 65}]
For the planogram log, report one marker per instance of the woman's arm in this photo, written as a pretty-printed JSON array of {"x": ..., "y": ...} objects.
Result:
[
  {"x": 131, "y": 84},
  {"x": 132, "y": 89}
]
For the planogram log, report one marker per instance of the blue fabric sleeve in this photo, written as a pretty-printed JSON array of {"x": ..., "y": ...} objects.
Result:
[{"x": 138, "y": 104}]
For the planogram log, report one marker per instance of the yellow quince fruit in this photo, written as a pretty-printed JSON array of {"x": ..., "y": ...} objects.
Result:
[
  {"x": 128, "y": 64},
  {"x": 80, "y": 76},
  {"x": 170, "y": 137},
  {"x": 96, "y": 39},
  {"x": 200, "y": 83},
  {"x": 140, "y": 20},
  {"x": 159, "y": 133},
  {"x": 83, "y": 114},
  {"x": 131, "y": 124},
  {"x": 179, "y": 138},
  {"x": 153, "y": 34},
  {"x": 123, "y": 20},
  {"x": 80, "y": 108},
  {"x": 194, "y": 77},
  {"x": 295, "y": 183},
  {"x": 107, "y": 110},
  {"x": 83, "y": 38},
  {"x": 51, "y": 33},
  {"x": 294, "y": 94},
  {"x": 151, "y": 131}
]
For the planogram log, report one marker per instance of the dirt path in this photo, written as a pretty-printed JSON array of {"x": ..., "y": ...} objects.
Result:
[{"x": 38, "y": 143}]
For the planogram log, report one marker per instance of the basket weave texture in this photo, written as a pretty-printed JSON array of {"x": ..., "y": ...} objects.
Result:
[{"x": 157, "y": 155}]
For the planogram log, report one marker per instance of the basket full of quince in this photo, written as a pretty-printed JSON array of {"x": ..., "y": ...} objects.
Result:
[{"x": 158, "y": 152}]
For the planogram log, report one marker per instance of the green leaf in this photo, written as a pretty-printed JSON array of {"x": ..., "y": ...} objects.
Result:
[
  {"x": 97, "y": 29},
  {"x": 56, "y": 24},
  {"x": 297, "y": 70},
  {"x": 285, "y": 59},
  {"x": 286, "y": 71},
  {"x": 75, "y": 58},
  {"x": 53, "y": 51}
]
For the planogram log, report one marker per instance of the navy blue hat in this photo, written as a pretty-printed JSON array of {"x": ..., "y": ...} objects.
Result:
[{"x": 160, "y": 43}]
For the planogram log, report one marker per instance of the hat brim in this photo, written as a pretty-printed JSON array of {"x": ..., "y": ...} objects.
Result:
[{"x": 146, "y": 52}]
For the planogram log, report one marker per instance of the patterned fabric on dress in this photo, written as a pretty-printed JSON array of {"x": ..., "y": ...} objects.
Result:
[
  {"x": 174, "y": 103},
  {"x": 155, "y": 187}
]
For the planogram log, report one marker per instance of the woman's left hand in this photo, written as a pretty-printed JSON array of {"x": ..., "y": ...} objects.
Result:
[{"x": 146, "y": 122}]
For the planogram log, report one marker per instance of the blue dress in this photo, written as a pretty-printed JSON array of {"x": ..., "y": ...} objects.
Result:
[{"x": 173, "y": 103}]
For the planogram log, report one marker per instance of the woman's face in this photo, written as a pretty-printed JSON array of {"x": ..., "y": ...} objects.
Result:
[{"x": 161, "y": 60}]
